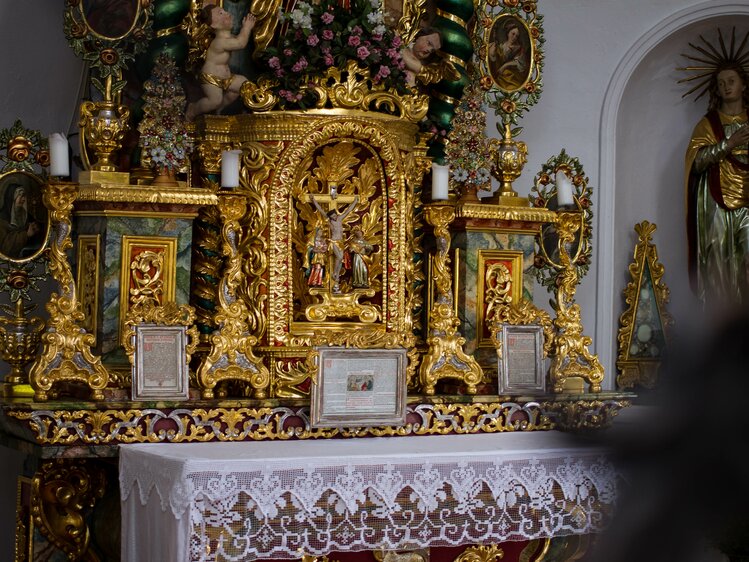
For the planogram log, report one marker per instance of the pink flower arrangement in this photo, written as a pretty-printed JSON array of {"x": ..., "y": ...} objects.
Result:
[{"x": 338, "y": 34}]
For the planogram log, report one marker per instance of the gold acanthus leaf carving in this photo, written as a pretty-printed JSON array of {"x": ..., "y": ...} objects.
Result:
[
  {"x": 146, "y": 271},
  {"x": 287, "y": 376},
  {"x": 336, "y": 163},
  {"x": 351, "y": 88},
  {"x": 483, "y": 553},
  {"x": 167, "y": 314}
]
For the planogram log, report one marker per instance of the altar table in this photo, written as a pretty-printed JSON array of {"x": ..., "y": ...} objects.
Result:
[{"x": 281, "y": 499}]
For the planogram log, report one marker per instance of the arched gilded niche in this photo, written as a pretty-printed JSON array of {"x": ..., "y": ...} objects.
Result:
[{"x": 362, "y": 163}]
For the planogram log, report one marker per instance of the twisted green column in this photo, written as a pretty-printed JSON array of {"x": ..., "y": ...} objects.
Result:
[{"x": 452, "y": 18}]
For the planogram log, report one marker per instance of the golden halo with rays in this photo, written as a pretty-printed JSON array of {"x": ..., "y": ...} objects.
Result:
[{"x": 709, "y": 60}]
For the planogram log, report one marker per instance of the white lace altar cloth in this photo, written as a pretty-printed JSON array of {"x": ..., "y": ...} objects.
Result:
[{"x": 249, "y": 500}]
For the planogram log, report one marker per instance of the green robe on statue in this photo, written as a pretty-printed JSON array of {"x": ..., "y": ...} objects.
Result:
[{"x": 717, "y": 213}]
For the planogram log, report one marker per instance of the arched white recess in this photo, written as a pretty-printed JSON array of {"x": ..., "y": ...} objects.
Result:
[{"x": 606, "y": 296}]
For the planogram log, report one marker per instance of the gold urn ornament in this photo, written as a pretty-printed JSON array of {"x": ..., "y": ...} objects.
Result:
[{"x": 509, "y": 158}]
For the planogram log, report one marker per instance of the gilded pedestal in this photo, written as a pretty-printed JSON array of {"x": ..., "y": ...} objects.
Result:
[
  {"x": 493, "y": 249},
  {"x": 133, "y": 245}
]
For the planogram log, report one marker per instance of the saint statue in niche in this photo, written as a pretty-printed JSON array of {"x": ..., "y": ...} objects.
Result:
[
  {"x": 359, "y": 249},
  {"x": 717, "y": 176}
]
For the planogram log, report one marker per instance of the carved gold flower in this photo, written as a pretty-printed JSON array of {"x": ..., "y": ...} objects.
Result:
[
  {"x": 508, "y": 106},
  {"x": 77, "y": 30},
  {"x": 42, "y": 157},
  {"x": 109, "y": 57},
  {"x": 19, "y": 149},
  {"x": 486, "y": 82},
  {"x": 18, "y": 279}
]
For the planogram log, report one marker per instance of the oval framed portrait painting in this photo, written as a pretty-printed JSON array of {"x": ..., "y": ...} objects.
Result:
[
  {"x": 24, "y": 220},
  {"x": 509, "y": 52}
]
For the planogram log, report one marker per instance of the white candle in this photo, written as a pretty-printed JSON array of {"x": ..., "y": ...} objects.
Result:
[
  {"x": 440, "y": 182},
  {"x": 59, "y": 164},
  {"x": 564, "y": 190},
  {"x": 230, "y": 168}
]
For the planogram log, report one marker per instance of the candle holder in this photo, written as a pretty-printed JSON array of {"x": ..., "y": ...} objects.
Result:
[
  {"x": 231, "y": 356},
  {"x": 19, "y": 340},
  {"x": 445, "y": 357},
  {"x": 571, "y": 360},
  {"x": 66, "y": 346},
  {"x": 509, "y": 158}
]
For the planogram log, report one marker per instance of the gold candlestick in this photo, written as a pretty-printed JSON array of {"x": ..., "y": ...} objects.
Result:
[
  {"x": 19, "y": 340},
  {"x": 231, "y": 356},
  {"x": 66, "y": 347},
  {"x": 571, "y": 359},
  {"x": 445, "y": 357}
]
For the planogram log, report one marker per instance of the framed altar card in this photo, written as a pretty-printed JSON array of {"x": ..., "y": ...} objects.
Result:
[
  {"x": 160, "y": 367},
  {"x": 359, "y": 387},
  {"x": 521, "y": 366}
]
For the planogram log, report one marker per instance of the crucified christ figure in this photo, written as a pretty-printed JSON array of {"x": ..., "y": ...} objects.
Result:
[{"x": 335, "y": 225}]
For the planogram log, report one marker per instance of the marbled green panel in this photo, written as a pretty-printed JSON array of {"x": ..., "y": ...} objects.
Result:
[
  {"x": 112, "y": 229},
  {"x": 470, "y": 242}
]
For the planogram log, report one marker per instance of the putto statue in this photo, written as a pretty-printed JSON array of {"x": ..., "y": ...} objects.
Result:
[{"x": 220, "y": 86}]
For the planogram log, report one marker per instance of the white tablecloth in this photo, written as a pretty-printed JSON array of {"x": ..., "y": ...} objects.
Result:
[{"x": 271, "y": 499}]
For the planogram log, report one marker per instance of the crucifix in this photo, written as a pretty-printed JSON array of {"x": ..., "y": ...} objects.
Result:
[{"x": 335, "y": 219}]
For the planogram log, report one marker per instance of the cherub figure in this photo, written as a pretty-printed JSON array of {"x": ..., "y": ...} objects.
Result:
[
  {"x": 220, "y": 86},
  {"x": 423, "y": 61},
  {"x": 335, "y": 243}
]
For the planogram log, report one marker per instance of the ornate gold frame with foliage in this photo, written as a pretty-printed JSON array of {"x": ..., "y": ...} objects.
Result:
[
  {"x": 510, "y": 103},
  {"x": 23, "y": 152},
  {"x": 107, "y": 55},
  {"x": 544, "y": 195},
  {"x": 562, "y": 260},
  {"x": 646, "y": 293}
]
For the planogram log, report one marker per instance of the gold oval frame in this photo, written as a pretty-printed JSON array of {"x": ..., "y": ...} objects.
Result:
[
  {"x": 491, "y": 16},
  {"x": 527, "y": 42},
  {"x": 96, "y": 33},
  {"x": 30, "y": 179}
]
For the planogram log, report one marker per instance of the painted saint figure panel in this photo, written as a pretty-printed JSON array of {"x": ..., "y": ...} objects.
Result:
[
  {"x": 23, "y": 216},
  {"x": 509, "y": 53}
]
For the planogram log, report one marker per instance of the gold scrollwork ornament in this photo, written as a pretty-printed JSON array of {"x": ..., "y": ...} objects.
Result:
[
  {"x": 231, "y": 356},
  {"x": 482, "y": 553},
  {"x": 445, "y": 357},
  {"x": 570, "y": 355},
  {"x": 351, "y": 88},
  {"x": 66, "y": 347},
  {"x": 61, "y": 491}
]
